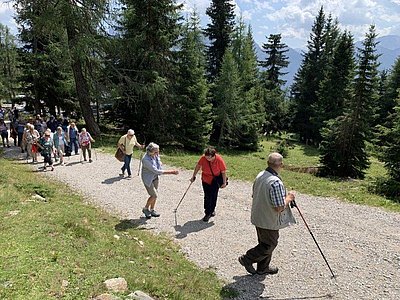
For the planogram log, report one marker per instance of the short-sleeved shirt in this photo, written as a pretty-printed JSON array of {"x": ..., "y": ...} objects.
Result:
[
  {"x": 47, "y": 146},
  {"x": 218, "y": 166},
  {"x": 128, "y": 143}
]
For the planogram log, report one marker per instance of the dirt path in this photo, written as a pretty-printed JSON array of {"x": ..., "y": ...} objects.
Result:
[{"x": 362, "y": 244}]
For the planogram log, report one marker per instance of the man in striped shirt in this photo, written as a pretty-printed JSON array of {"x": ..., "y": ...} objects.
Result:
[{"x": 270, "y": 212}]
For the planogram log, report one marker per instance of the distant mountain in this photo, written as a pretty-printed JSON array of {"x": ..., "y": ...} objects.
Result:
[{"x": 388, "y": 47}]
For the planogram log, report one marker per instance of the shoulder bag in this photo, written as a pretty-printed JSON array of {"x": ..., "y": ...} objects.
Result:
[
  {"x": 219, "y": 179},
  {"x": 119, "y": 154}
]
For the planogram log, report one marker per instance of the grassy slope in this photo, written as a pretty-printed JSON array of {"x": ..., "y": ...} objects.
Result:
[
  {"x": 246, "y": 166},
  {"x": 45, "y": 243}
]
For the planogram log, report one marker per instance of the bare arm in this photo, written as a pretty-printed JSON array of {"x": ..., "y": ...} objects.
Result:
[
  {"x": 289, "y": 198},
  {"x": 195, "y": 171}
]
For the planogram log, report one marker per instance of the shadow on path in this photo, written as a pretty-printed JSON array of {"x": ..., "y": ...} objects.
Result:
[
  {"x": 246, "y": 286},
  {"x": 191, "y": 226},
  {"x": 112, "y": 180},
  {"x": 252, "y": 287},
  {"x": 130, "y": 223},
  {"x": 70, "y": 164}
]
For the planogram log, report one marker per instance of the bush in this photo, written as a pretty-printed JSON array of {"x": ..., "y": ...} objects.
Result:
[
  {"x": 282, "y": 147},
  {"x": 386, "y": 187}
]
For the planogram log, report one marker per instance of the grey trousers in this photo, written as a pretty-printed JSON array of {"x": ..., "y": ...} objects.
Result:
[{"x": 262, "y": 253}]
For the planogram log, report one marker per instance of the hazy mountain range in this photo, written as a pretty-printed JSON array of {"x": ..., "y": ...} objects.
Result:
[{"x": 388, "y": 47}]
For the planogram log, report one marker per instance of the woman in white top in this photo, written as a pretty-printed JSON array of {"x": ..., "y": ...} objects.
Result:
[{"x": 60, "y": 141}]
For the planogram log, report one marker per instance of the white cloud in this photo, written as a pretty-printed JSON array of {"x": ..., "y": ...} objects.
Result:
[
  {"x": 247, "y": 15},
  {"x": 262, "y": 5},
  {"x": 191, "y": 5}
]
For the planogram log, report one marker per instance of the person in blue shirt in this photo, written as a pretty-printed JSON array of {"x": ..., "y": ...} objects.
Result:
[
  {"x": 151, "y": 169},
  {"x": 72, "y": 137}
]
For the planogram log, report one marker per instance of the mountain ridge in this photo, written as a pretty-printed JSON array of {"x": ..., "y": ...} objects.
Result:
[{"x": 388, "y": 46}]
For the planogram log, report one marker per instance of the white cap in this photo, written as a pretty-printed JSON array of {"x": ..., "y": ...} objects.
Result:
[{"x": 131, "y": 132}]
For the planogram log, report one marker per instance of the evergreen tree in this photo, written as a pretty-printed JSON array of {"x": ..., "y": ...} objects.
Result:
[
  {"x": 194, "y": 122},
  {"x": 251, "y": 116},
  {"x": 343, "y": 150},
  {"x": 391, "y": 153},
  {"x": 276, "y": 60},
  {"x": 273, "y": 96},
  {"x": 145, "y": 60},
  {"x": 388, "y": 95},
  {"x": 228, "y": 102},
  {"x": 8, "y": 64},
  {"x": 45, "y": 71},
  {"x": 307, "y": 81},
  {"x": 66, "y": 27},
  {"x": 335, "y": 88},
  {"x": 221, "y": 13}
]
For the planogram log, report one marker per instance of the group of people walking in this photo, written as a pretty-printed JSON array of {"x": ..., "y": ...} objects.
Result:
[
  {"x": 53, "y": 140},
  {"x": 270, "y": 206},
  {"x": 212, "y": 165}
]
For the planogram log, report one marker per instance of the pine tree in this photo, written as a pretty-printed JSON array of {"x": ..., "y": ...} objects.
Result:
[
  {"x": 8, "y": 64},
  {"x": 391, "y": 153},
  {"x": 276, "y": 60},
  {"x": 335, "y": 88},
  {"x": 388, "y": 95},
  {"x": 145, "y": 60},
  {"x": 273, "y": 96},
  {"x": 251, "y": 109},
  {"x": 228, "y": 102},
  {"x": 307, "y": 80},
  {"x": 343, "y": 149},
  {"x": 221, "y": 13},
  {"x": 193, "y": 108},
  {"x": 45, "y": 65}
]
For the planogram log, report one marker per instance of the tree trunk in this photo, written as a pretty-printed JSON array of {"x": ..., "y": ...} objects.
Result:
[{"x": 81, "y": 84}]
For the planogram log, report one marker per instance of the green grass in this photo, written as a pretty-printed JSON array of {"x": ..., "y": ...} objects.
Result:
[
  {"x": 246, "y": 165},
  {"x": 43, "y": 243}
]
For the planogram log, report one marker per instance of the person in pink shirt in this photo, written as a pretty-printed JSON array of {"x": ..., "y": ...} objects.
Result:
[{"x": 85, "y": 142}]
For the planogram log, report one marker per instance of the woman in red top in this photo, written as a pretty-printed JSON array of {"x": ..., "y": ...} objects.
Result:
[{"x": 211, "y": 165}]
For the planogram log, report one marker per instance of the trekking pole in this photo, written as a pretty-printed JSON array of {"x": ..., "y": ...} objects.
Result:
[
  {"x": 140, "y": 162},
  {"x": 293, "y": 204},
  {"x": 176, "y": 209}
]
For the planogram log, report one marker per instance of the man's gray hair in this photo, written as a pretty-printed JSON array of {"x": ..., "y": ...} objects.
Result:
[
  {"x": 151, "y": 147},
  {"x": 275, "y": 159}
]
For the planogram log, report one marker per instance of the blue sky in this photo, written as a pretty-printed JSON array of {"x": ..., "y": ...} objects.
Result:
[{"x": 292, "y": 18}]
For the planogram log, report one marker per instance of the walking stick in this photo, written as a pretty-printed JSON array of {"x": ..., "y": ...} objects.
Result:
[
  {"x": 293, "y": 204},
  {"x": 140, "y": 162},
  {"x": 176, "y": 209}
]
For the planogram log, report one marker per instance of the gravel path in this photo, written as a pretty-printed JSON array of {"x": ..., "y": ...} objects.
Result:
[{"x": 361, "y": 244}]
